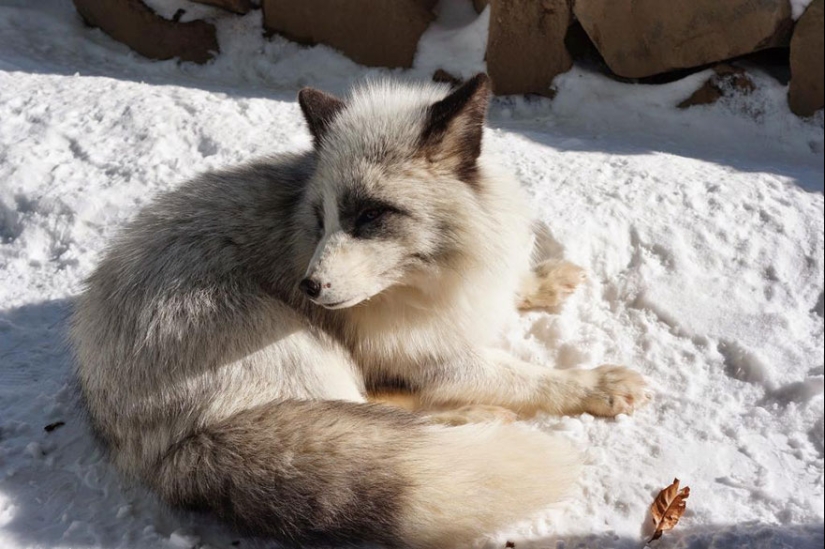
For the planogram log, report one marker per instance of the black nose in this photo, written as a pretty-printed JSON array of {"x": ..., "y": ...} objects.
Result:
[{"x": 310, "y": 287}]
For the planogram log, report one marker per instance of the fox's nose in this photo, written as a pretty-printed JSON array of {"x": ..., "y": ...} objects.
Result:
[{"x": 310, "y": 287}]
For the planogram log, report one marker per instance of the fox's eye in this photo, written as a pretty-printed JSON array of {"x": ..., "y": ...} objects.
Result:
[{"x": 370, "y": 215}]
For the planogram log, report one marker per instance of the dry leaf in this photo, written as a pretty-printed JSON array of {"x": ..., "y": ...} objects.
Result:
[{"x": 668, "y": 508}]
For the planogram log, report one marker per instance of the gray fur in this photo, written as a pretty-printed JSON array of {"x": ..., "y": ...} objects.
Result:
[{"x": 345, "y": 490}]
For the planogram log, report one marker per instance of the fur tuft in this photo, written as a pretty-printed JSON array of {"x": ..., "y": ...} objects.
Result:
[{"x": 480, "y": 478}]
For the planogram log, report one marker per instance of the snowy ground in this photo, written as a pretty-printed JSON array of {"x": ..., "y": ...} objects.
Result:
[{"x": 702, "y": 231}]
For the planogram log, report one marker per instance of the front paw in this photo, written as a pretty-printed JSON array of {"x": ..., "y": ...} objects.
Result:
[
  {"x": 549, "y": 284},
  {"x": 614, "y": 390}
]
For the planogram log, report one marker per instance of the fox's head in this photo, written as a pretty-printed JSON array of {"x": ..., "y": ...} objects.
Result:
[{"x": 395, "y": 187}]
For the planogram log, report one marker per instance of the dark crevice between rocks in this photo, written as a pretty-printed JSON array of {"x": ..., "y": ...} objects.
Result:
[
  {"x": 774, "y": 61},
  {"x": 583, "y": 51}
]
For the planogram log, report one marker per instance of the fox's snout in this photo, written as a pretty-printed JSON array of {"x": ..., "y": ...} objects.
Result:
[
  {"x": 340, "y": 273},
  {"x": 346, "y": 270}
]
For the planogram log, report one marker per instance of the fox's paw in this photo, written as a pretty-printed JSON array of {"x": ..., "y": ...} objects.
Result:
[
  {"x": 562, "y": 275},
  {"x": 551, "y": 283},
  {"x": 473, "y": 413},
  {"x": 615, "y": 390}
]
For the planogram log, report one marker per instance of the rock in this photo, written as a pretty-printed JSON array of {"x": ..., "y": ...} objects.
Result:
[
  {"x": 726, "y": 79},
  {"x": 137, "y": 26},
  {"x": 371, "y": 32},
  {"x": 805, "y": 92},
  {"x": 525, "y": 47},
  {"x": 479, "y": 5},
  {"x": 640, "y": 38},
  {"x": 236, "y": 6}
]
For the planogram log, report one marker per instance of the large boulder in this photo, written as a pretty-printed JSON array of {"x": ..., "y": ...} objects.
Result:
[
  {"x": 639, "y": 38},
  {"x": 805, "y": 92},
  {"x": 137, "y": 26},
  {"x": 377, "y": 33},
  {"x": 525, "y": 47}
]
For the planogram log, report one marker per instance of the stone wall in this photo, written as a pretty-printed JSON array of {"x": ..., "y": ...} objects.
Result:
[{"x": 529, "y": 41}]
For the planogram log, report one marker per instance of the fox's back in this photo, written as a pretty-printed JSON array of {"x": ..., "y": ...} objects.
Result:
[{"x": 196, "y": 281}]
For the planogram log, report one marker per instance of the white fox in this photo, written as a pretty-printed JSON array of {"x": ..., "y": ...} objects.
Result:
[{"x": 229, "y": 340}]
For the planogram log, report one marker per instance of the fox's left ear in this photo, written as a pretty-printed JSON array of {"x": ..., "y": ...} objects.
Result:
[
  {"x": 319, "y": 110},
  {"x": 452, "y": 133}
]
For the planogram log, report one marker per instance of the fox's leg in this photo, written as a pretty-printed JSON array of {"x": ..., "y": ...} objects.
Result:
[
  {"x": 446, "y": 415},
  {"x": 472, "y": 413},
  {"x": 548, "y": 284},
  {"x": 498, "y": 379}
]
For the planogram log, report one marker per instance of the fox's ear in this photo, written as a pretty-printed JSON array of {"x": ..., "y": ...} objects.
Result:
[
  {"x": 319, "y": 110},
  {"x": 452, "y": 133}
]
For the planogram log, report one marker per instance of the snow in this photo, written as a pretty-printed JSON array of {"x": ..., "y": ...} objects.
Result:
[
  {"x": 701, "y": 230},
  {"x": 191, "y": 11},
  {"x": 798, "y": 8}
]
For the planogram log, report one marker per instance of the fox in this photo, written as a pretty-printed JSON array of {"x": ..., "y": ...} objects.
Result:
[{"x": 305, "y": 345}]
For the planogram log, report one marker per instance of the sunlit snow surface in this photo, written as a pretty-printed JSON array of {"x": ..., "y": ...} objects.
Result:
[{"x": 701, "y": 231}]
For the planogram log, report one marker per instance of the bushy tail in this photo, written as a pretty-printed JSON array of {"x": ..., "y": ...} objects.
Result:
[{"x": 346, "y": 472}]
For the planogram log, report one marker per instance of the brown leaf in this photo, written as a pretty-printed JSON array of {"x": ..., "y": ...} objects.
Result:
[{"x": 668, "y": 508}]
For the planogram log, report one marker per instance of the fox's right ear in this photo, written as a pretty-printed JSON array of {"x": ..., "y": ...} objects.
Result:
[
  {"x": 319, "y": 110},
  {"x": 455, "y": 125}
]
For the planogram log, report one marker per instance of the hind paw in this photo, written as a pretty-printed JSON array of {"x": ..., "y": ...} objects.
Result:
[{"x": 550, "y": 283}]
